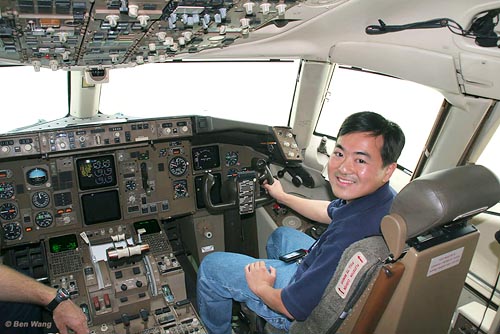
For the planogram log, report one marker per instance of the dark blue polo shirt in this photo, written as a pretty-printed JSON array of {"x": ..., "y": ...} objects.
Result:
[{"x": 350, "y": 222}]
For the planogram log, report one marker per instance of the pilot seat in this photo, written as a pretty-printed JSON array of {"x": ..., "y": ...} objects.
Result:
[{"x": 409, "y": 280}]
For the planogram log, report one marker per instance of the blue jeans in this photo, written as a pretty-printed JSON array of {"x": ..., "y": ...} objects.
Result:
[{"x": 221, "y": 279}]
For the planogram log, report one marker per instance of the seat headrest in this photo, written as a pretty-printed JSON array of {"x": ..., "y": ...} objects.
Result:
[{"x": 439, "y": 198}]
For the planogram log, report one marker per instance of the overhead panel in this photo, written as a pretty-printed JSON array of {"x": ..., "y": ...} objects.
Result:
[{"x": 109, "y": 33}]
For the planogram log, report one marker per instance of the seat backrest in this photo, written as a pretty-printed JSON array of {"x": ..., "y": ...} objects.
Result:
[{"x": 435, "y": 210}]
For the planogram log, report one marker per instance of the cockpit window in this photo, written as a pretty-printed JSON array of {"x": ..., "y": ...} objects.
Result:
[
  {"x": 30, "y": 97},
  {"x": 414, "y": 107},
  {"x": 489, "y": 159},
  {"x": 255, "y": 92}
]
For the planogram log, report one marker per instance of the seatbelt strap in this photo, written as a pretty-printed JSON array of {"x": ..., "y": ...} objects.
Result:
[{"x": 358, "y": 291}]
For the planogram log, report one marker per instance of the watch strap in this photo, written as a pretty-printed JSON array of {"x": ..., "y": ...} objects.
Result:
[{"x": 61, "y": 296}]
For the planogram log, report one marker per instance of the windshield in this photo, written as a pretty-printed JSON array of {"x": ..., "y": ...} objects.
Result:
[
  {"x": 30, "y": 97},
  {"x": 258, "y": 92}
]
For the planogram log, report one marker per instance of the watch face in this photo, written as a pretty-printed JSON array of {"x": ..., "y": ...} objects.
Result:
[{"x": 63, "y": 293}]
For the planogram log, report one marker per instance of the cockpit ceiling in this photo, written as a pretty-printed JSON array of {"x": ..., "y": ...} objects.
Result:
[{"x": 84, "y": 33}]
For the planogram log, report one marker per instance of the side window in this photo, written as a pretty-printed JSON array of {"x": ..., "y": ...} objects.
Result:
[
  {"x": 488, "y": 159},
  {"x": 352, "y": 91},
  {"x": 483, "y": 271}
]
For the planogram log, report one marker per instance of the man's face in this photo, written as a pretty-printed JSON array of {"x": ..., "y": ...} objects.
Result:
[{"x": 355, "y": 168}]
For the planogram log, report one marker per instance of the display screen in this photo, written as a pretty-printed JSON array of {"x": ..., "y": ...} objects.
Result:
[
  {"x": 96, "y": 172},
  {"x": 151, "y": 226},
  {"x": 205, "y": 157},
  {"x": 63, "y": 243},
  {"x": 101, "y": 207}
]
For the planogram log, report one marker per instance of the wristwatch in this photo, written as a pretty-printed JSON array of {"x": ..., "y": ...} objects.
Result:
[{"x": 61, "y": 295}]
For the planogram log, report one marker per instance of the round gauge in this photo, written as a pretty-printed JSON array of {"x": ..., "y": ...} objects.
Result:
[
  {"x": 6, "y": 190},
  {"x": 44, "y": 219},
  {"x": 130, "y": 185},
  {"x": 180, "y": 190},
  {"x": 8, "y": 211},
  {"x": 232, "y": 158},
  {"x": 40, "y": 199},
  {"x": 178, "y": 166},
  {"x": 12, "y": 231},
  {"x": 37, "y": 176}
]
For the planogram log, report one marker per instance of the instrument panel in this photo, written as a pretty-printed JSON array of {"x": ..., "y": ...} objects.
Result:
[
  {"x": 94, "y": 200},
  {"x": 69, "y": 179},
  {"x": 44, "y": 196}
]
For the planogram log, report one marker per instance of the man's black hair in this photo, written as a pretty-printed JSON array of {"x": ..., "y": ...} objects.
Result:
[{"x": 368, "y": 121}]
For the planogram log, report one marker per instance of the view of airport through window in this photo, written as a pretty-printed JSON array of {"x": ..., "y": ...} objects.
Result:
[{"x": 414, "y": 107}]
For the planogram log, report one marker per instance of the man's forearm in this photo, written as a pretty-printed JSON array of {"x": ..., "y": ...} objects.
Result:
[
  {"x": 315, "y": 210},
  {"x": 17, "y": 287}
]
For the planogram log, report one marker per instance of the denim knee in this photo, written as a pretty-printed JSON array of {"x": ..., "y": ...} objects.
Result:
[{"x": 275, "y": 241}]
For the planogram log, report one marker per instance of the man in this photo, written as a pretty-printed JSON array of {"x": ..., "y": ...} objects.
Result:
[
  {"x": 359, "y": 169},
  {"x": 20, "y": 310}
]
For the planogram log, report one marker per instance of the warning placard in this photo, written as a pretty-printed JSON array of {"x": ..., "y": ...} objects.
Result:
[
  {"x": 445, "y": 261},
  {"x": 350, "y": 272}
]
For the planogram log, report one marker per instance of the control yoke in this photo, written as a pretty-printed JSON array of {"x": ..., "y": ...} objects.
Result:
[
  {"x": 264, "y": 173},
  {"x": 240, "y": 190},
  {"x": 208, "y": 183}
]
